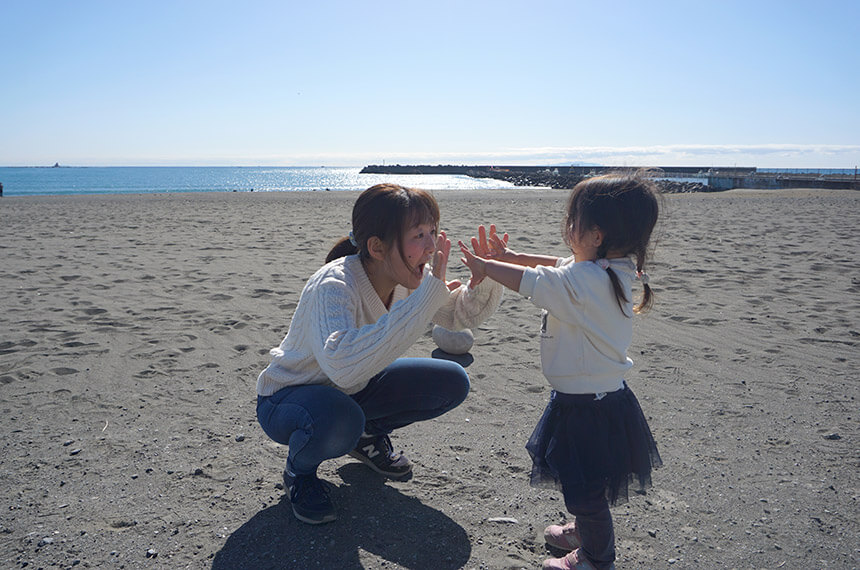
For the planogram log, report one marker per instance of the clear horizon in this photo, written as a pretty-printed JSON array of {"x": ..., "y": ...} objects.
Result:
[{"x": 96, "y": 83}]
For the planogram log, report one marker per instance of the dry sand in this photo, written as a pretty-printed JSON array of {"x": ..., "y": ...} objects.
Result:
[{"x": 132, "y": 329}]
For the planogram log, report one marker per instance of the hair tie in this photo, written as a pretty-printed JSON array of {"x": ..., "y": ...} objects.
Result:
[
  {"x": 603, "y": 263},
  {"x": 642, "y": 276},
  {"x": 352, "y": 238}
]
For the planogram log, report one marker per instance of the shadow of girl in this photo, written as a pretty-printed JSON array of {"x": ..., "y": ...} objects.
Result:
[{"x": 372, "y": 517}]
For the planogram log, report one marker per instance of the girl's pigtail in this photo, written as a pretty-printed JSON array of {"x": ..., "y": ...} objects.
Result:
[
  {"x": 647, "y": 295},
  {"x": 620, "y": 297}
]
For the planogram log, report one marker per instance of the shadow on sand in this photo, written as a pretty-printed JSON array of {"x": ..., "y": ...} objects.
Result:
[
  {"x": 463, "y": 360},
  {"x": 372, "y": 517}
]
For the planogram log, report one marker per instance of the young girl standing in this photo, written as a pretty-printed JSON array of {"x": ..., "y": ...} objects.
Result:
[{"x": 592, "y": 439}]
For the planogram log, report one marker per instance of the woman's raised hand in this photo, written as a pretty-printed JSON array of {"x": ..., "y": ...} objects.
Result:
[{"x": 440, "y": 257}]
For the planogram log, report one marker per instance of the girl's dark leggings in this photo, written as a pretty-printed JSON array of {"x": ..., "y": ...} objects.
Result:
[{"x": 593, "y": 521}]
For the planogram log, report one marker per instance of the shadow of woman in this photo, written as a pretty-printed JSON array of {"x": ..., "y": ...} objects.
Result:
[{"x": 372, "y": 517}]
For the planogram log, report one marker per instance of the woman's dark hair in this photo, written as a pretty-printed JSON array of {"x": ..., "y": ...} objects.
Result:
[
  {"x": 386, "y": 211},
  {"x": 625, "y": 208}
]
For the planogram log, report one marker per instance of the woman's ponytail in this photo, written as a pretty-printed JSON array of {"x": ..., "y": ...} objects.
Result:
[{"x": 342, "y": 248}]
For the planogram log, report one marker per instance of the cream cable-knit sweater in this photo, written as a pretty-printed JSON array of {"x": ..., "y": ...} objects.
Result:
[{"x": 342, "y": 335}]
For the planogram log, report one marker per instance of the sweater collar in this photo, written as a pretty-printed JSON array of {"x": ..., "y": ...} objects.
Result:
[{"x": 353, "y": 265}]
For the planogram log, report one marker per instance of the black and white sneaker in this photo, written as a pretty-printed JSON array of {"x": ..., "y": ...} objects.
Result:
[
  {"x": 377, "y": 453},
  {"x": 310, "y": 499}
]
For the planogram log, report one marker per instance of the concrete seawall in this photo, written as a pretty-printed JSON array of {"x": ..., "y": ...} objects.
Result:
[
  {"x": 777, "y": 182},
  {"x": 712, "y": 179}
]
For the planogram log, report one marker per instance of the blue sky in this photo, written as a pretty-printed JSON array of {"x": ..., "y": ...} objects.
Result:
[{"x": 188, "y": 82}]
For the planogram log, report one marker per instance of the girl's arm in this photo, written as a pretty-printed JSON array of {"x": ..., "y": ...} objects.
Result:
[
  {"x": 531, "y": 260},
  {"x": 496, "y": 248},
  {"x": 508, "y": 274},
  {"x": 550, "y": 288}
]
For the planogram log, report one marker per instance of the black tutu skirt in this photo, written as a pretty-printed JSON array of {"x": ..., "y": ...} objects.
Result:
[{"x": 582, "y": 442}]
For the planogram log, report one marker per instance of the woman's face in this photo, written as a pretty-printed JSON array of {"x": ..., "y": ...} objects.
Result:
[{"x": 419, "y": 244}]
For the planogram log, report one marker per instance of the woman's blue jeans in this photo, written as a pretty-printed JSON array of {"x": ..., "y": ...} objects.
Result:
[{"x": 321, "y": 422}]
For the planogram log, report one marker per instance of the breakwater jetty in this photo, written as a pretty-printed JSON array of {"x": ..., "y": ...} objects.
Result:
[{"x": 669, "y": 178}]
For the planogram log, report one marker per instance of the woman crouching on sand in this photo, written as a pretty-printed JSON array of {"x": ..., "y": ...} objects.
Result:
[{"x": 337, "y": 384}]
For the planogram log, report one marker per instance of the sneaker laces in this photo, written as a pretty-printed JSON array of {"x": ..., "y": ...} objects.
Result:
[
  {"x": 384, "y": 443},
  {"x": 397, "y": 458}
]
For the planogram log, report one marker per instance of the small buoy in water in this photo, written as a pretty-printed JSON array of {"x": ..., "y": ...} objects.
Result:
[{"x": 453, "y": 342}]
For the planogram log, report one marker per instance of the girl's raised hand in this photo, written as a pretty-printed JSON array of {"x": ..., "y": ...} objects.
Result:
[
  {"x": 494, "y": 247},
  {"x": 440, "y": 257},
  {"x": 475, "y": 264}
]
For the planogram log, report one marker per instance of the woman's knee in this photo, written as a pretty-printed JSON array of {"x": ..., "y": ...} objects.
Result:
[
  {"x": 319, "y": 414},
  {"x": 454, "y": 382},
  {"x": 341, "y": 427}
]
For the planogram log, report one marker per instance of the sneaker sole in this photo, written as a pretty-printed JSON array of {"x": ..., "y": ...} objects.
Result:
[
  {"x": 326, "y": 519},
  {"x": 288, "y": 483},
  {"x": 395, "y": 476}
]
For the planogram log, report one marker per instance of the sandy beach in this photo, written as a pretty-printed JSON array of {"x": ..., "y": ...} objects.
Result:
[{"x": 132, "y": 329}]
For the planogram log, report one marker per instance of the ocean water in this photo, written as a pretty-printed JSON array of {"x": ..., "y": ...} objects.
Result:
[
  {"x": 155, "y": 179},
  {"x": 37, "y": 181}
]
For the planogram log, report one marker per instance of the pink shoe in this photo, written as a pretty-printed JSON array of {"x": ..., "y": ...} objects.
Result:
[
  {"x": 565, "y": 537},
  {"x": 573, "y": 561}
]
